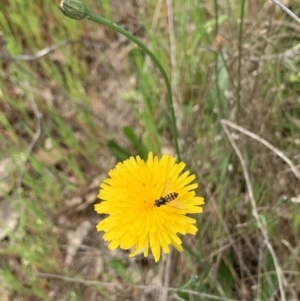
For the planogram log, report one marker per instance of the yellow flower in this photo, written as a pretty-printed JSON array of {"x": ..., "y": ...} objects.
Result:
[{"x": 147, "y": 203}]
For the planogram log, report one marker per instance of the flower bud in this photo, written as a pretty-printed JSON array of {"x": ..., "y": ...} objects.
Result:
[{"x": 73, "y": 9}]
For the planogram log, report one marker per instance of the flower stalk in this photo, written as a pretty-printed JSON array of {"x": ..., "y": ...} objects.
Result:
[{"x": 75, "y": 9}]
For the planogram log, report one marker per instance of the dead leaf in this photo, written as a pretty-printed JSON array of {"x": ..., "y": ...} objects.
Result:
[
  {"x": 74, "y": 202},
  {"x": 8, "y": 218},
  {"x": 49, "y": 158},
  {"x": 90, "y": 198},
  {"x": 7, "y": 167},
  {"x": 75, "y": 239}
]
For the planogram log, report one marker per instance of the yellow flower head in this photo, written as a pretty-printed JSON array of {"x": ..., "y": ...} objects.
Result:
[{"x": 147, "y": 203}]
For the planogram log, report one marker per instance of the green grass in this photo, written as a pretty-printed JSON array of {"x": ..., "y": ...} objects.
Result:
[{"x": 227, "y": 257}]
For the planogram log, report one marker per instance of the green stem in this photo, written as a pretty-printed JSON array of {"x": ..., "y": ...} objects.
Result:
[{"x": 82, "y": 12}]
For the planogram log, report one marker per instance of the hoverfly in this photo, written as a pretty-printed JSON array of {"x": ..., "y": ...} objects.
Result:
[{"x": 166, "y": 198}]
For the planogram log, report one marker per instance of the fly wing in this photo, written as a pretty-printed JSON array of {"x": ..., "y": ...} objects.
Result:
[
  {"x": 176, "y": 204},
  {"x": 167, "y": 188}
]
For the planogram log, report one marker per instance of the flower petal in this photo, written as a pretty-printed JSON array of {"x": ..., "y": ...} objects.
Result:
[{"x": 136, "y": 219}]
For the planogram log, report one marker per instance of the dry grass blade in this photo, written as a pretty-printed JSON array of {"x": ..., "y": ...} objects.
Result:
[
  {"x": 280, "y": 276},
  {"x": 265, "y": 143},
  {"x": 284, "y": 8},
  {"x": 142, "y": 287},
  {"x": 47, "y": 50},
  {"x": 38, "y": 116}
]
